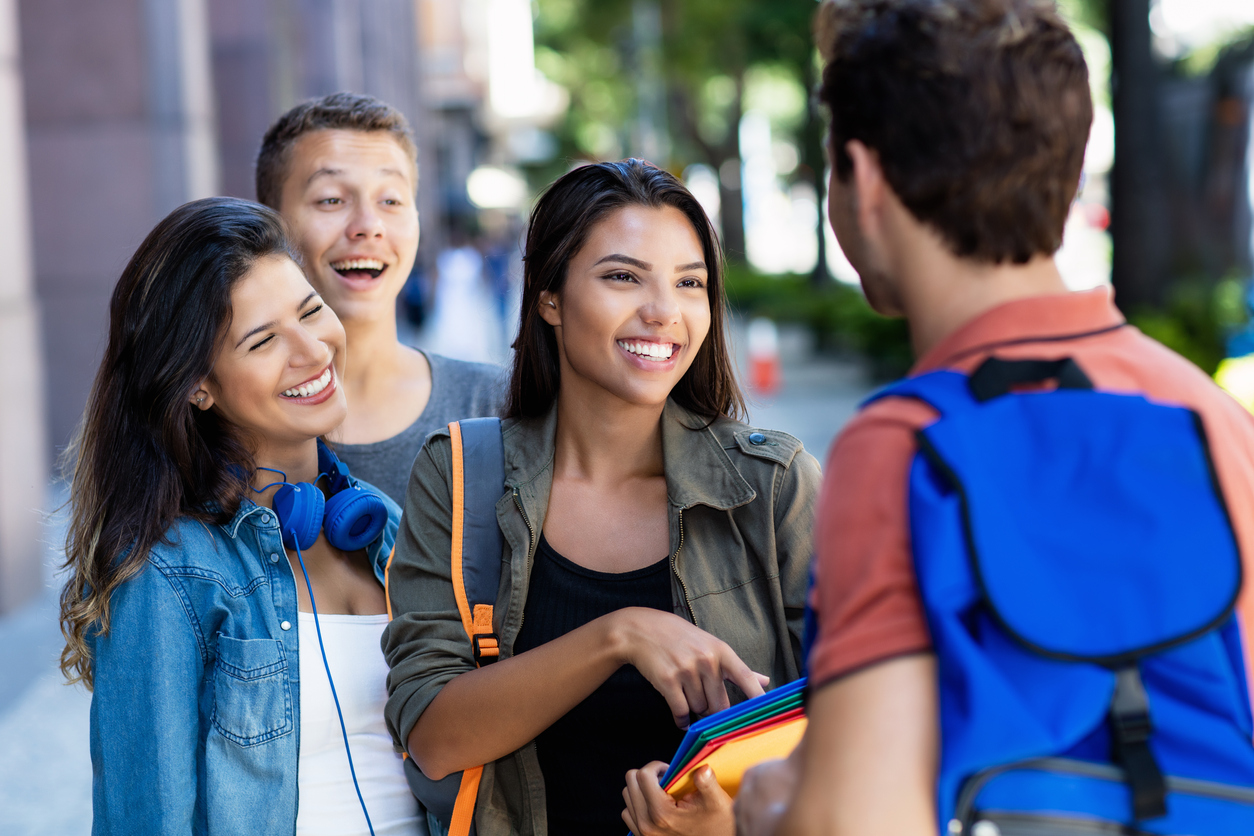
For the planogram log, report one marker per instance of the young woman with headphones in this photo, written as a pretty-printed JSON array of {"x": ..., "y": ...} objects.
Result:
[
  {"x": 223, "y": 562},
  {"x": 656, "y": 548}
]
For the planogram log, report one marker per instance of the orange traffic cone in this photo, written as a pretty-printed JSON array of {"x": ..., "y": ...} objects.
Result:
[{"x": 764, "y": 374}]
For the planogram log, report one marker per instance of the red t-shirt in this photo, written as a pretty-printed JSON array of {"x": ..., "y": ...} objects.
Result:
[{"x": 865, "y": 593}]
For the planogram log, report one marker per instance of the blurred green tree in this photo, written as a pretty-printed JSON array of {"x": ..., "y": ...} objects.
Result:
[{"x": 708, "y": 49}]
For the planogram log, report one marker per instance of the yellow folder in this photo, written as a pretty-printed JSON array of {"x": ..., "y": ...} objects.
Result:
[{"x": 731, "y": 760}]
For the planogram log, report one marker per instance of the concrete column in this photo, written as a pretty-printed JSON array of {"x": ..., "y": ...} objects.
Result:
[
  {"x": 23, "y": 452},
  {"x": 120, "y": 129},
  {"x": 253, "y": 80}
]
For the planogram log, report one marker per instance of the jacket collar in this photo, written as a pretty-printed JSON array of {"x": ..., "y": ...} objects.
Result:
[
  {"x": 248, "y": 508},
  {"x": 698, "y": 470}
]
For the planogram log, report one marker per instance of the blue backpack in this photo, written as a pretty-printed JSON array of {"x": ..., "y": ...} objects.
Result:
[{"x": 1078, "y": 570}]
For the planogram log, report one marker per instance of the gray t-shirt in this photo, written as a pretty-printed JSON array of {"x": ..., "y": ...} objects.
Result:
[{"x": 458, "y": 390}]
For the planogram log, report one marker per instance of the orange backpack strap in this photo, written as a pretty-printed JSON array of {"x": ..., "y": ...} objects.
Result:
[{"x": 478, "y": 480}]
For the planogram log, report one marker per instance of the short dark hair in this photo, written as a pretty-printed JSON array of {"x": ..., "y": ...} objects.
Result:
[
  {"x": 979, "y": 111},
  {"x": 145, "y": 455},
  {"x": 338, "y": 111},
  {"x": 560, "y": 223}
]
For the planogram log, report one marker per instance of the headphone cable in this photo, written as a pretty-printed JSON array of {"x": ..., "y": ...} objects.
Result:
[{"x": 322, "y": 649}]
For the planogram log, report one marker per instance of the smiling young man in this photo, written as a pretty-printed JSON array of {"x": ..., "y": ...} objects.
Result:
[
  {"x": 957, "y": 139},
  {"x": 342, "y": 170}
]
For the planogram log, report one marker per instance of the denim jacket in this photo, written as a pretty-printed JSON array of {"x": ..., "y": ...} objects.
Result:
[{"x": 195, "y": 718}]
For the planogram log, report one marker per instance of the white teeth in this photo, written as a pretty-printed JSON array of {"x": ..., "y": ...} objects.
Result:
[
  {"x": 311, "y": 388},
  {"x": 654, "y": 351},
  {"x": 358, "y": 264}
]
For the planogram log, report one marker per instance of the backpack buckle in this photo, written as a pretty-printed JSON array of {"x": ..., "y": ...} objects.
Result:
[
  {"x": 1130, "y": 728},
  {"x": 487, "y": 648}
]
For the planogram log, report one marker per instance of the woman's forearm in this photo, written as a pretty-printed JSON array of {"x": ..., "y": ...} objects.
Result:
[{"x": 489, "y": 712}]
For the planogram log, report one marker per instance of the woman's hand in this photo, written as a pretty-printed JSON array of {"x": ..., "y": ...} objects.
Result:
[
  {"x": 684, "y": 663},
  {"x": 651, "y": 812}
]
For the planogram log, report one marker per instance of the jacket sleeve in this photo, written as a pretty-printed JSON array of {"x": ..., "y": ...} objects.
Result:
[
  {"x": 795, "y": 500},
  {"x": 145, "y": 719},
  {"x": 425, "y": 644}
]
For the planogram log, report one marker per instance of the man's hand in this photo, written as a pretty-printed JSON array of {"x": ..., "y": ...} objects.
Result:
[
  {"x": 651, "y": 812},
  {"x": 765, "y": 793}
]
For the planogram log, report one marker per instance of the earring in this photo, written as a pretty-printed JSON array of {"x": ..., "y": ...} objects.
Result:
[
  {"x": 551, "y": 304},
  {"x": 200, "y": 400}
]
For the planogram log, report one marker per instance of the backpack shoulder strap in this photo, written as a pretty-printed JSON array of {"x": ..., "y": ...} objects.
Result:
[
  {"x": 949, "y": 391},
  {"x": 478, "y": 481},
  {"x": 944, "y": 391}
]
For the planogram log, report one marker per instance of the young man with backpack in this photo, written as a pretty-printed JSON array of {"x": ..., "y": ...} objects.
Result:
[{"x": 957, "y": 140}]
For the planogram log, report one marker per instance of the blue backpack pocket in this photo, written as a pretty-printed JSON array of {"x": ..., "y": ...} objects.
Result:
[{"x": 1104, "y": 505}]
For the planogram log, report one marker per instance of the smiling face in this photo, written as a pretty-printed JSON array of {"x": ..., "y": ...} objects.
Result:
[
  {"x": 276, "y": 375},
  {"x": 349, "y": 199},
  {"x": 634, "y": 309}
]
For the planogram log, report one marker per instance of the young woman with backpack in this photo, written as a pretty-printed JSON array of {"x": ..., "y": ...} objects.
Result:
[
  {"x": 656, "y": 548},
  {"x": 195, "y": 569}
]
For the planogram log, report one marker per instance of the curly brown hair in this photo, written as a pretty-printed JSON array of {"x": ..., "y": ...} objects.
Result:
[{"x": 979, "y": 111}]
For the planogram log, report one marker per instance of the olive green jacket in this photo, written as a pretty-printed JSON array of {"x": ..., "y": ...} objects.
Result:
[{"x": 741, "y": 504}]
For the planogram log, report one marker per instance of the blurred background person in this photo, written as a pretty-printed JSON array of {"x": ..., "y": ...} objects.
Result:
[{"x": 465, "y": 318}]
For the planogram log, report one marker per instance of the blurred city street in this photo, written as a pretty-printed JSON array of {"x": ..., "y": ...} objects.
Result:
[{"x": 45, "y": 769}]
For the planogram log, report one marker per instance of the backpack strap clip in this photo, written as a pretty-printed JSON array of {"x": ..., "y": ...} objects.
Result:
[
  {"x": 483, "y": 640},
  {"x": 1131, "y": 728}
]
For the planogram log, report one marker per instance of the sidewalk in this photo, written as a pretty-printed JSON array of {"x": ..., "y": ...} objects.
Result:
[{"x": 45, "y": 768}]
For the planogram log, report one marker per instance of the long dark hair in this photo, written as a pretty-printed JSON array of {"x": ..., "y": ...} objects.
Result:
[
  {"x": 560, "y": 223},
  {"x": 145, "y": 455}
]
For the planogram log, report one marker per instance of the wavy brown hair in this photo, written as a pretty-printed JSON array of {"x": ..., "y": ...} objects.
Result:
[
  {"x": 560, "y": 223},
  {"x": 144, "y": 455}
]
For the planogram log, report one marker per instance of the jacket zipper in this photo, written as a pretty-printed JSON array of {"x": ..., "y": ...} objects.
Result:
[
  {"x": 675, "y": 568},
  {"x": 531, "y": 547}
]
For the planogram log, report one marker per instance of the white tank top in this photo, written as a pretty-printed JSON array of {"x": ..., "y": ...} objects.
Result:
[{"x": 327, "y": 803}]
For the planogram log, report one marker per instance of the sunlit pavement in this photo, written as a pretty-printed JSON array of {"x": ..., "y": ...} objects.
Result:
[
  {"x": 45, "y": 767},
  {"x": 45, "y": 770}
]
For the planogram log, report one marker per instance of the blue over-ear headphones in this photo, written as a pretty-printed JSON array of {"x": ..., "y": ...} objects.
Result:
[{"x": 352, "y": 517}]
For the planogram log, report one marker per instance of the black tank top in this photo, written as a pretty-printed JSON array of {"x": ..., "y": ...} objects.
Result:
[{"x": 623, "y": 724}]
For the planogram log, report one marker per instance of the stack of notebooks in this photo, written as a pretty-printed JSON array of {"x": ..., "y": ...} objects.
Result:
[{"x": 733, "y": 740}]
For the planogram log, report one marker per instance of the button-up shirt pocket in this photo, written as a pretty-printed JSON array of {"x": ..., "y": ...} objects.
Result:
[{"x": 252, "y": 698}]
